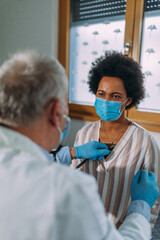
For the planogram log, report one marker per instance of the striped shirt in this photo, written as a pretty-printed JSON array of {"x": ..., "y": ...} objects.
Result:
[{"x": 135, "y": 150}]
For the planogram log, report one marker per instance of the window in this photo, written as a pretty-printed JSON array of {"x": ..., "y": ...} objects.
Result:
[
  {"x": 96, "y": 26},
  {"x": 150, "y": 59},
  {"x": 90, "y": 27},
  {"x": 146, "y": 50}
]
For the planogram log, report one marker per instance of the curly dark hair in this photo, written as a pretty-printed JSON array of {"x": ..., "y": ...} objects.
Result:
[{"x": 115, "y": 64}]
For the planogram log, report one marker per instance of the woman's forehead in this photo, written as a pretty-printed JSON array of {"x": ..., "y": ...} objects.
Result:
[{"x": 111, "y": 84}]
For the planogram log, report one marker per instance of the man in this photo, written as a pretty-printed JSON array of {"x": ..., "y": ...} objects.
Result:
[
  {"x": 40, "y": 199},
  {"x": 156, "y": 230}
]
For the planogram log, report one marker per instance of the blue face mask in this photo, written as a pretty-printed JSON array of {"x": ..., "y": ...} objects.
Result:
[
  {"x": 64, "y": 134},
  {"x": 108, "y": 110}
]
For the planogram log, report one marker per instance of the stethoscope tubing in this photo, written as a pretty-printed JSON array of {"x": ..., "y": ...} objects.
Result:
[
  {"x": 83, "y": 162},
  {"x": 54, "y": 152}
]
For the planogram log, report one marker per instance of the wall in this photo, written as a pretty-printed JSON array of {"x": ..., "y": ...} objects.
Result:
[{"x": 28, "y": 24}]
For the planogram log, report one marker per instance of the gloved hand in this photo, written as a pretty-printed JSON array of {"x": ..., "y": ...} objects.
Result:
[
  {"x": 144, "y": 187},
  {"x": 92, "y": 150}
]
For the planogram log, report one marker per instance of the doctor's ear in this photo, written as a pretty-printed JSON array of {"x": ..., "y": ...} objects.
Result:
[{"x": 54, "y": 112}]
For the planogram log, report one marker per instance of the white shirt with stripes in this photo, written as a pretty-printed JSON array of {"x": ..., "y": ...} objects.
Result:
[{"x": 135, "y": 150}]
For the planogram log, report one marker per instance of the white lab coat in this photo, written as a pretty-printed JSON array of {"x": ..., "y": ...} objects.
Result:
[{"x": 41, "y": 200}]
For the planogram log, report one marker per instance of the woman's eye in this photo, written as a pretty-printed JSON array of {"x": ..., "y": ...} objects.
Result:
[
  {"x": 116, "y": 97},
  {"x": 101, "y": 94}
]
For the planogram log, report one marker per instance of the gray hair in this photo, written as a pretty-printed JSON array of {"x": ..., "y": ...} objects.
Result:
[{"x": 28, "y": 81}]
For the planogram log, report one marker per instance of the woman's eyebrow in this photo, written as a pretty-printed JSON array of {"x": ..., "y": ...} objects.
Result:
[
  {"x": 117, "y": 93},
  {"x": 111, "y": 93},
  {"x": 100, "y": 90}
]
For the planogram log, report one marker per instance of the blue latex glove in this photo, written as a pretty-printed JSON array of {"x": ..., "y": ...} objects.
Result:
[
  {"x": 92, "y": 150},
  {"x": 144, "y": 187}
]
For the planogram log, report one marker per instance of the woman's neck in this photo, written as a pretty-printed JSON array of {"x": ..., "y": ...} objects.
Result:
[
  {"x": 115, "y": 124},
  {"x": 111, "y": 132}
]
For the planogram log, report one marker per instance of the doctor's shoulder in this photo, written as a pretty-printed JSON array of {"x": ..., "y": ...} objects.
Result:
[
  {"x": 79, "y": 203},
  {"x": 67, "y": 177},
  {"x": 73, "y": 184}
]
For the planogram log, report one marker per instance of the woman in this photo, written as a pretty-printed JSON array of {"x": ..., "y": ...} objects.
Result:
[{"x": 117, "y": 82}]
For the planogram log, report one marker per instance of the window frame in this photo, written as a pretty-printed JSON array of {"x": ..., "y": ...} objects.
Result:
[
  {"x": 133, "y": 28},
  {"x": 148, "y": 120}
]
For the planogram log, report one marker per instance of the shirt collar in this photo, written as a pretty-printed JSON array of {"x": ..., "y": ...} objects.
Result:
[{"x": 47, "y": 154}]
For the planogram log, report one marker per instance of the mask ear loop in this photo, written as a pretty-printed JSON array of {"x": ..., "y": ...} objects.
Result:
[
  {"x": 54, "y": 152},
  {"x": 124, "y": 107},
  {"x": 67, "y": 128}
]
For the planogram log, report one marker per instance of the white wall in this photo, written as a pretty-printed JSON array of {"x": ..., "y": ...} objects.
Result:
[
  {"x": 33, "y": 24},
  {"x": 28, "y": 24}
]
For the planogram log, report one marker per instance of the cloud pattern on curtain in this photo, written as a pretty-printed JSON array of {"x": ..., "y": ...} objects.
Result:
[
  {"x": 88, "y": 41},
  {"x": 150, "y": 61}
]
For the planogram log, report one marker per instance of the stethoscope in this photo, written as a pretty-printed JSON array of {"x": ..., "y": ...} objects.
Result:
[
  {"x": 66, "y": 130},
  {"x": 54, "y": 153}
]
